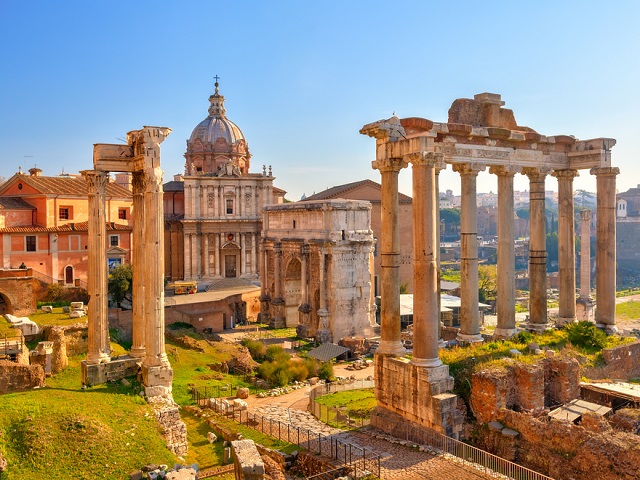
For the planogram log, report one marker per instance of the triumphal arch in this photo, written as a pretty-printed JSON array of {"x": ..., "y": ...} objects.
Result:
[
  {"x": 141, "y": 158},
  {"x": 479, "y": 134}
]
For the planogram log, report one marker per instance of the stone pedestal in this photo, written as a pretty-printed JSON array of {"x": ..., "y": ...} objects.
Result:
[
  {"x": 277, "y": 319},
  {"x": 264, "y": 315},
  {"x": 323, "y": 335},
  {"x": 157, "y": 381},
  {"x": 117, "y": 369},
  {"x": 585, "y": 309},
  {"x": 305, "y": 329}
]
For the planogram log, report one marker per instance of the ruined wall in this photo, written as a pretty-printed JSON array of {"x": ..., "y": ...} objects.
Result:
[
  {"x": 18, "y": 288},
  {"x": 68, "y": 340},
  {"x": 173, "y": 428},
  {"x": 16, "y": 378},
  {"x": 561, "y": 380},
  {"x": 620, "y": 363},
  {"x": 563, "y": 450}
]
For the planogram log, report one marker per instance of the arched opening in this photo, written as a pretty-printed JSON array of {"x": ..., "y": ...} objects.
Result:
[
  {"x": 230, "y": 256},
  {"x": 293, "y": 291},
  {"x": 68, "y": 275},
  {"x": 5, "y": 305}
]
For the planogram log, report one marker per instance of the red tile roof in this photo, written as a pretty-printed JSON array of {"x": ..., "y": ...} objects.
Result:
[
  {"x": 339, "y": 190},
  {"x": 69, "y": 186},
  {"x": 69, "y": 227}
]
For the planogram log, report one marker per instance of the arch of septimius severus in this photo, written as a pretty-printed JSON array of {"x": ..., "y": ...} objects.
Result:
[{"x": 479, "y": 134}]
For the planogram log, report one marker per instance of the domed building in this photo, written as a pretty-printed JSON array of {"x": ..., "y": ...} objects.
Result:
[{"x": 214, "y": 211}]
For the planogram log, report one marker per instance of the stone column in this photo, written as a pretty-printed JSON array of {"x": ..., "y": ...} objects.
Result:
[
  {"x": 277, "y": 319},
  {"x": 98, "y": 322},
  {"x": 537, "y": 251},
  {"x": 139, "y": 266},
  {"x": 469, "y": 315},
  {"x": 157, "y": 374},
  {"x": 606, "y": 248},
  {"x": 390, "y": 342},
  {"x": 440, "y": 165},
  {"x": 506, "y": 278},
  {"x": 264, "y": 291},
  {"x": 205, "y": 254},
  {"x": 425, "y": 268},
  {"x": 252, "y": 239},
  {"x": 243, "y": 254},
  {"x": 304, "y": 329},
  {"x": 566, "y": 247},
  {"x": 323, "y": 335},
  {"x": 584, "y": 303}
]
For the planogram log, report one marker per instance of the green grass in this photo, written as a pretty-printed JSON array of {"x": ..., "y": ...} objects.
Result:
[
  {"x": 61, "y": 431},
  {"x": 265, "y": 332},
  {"x": 628, "y": 310},
  {"x": 205, "y": 454},
  {"x": 255, "y": 435},
  {"x": 358, "y": 402}
]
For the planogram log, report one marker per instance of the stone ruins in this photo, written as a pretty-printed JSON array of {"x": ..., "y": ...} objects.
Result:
[
  {"x": 317, "y": 262},
  {"x": 479, "y": 133}
]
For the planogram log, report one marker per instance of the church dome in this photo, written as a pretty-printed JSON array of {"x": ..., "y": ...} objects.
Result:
[{"x": 216, "y": 141}]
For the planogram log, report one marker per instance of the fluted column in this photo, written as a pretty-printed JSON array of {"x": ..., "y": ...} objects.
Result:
[
  {"x": 154, "y": 286},
  {"x": 277, "y": 319},
  {"x": 264, "y": 278},
  {"x": 139, "y": 267},
  {"x": 323, "y": 334},
  {"x": 252, "y": 239},
  {"x": 98, "y": 322},
  {"x": 205, "y": 254},
  {"x": 566, "y": 247},
  {"x": 304, "y": 286},
  {"x": 506, "y": 277},
  {"x": 440, "y": 165},
  {"x": 606, "y": 247},
  {"x": 537, "y": 251},
  {"x": 390, "y": 342},
  {"x": 425, "y": 268},
  {"x": 469, "y": 310}
]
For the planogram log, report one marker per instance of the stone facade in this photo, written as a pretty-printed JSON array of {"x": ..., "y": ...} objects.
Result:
[
  {"x": 213, "y": 212},
  {"x": 317, "y": 258}
]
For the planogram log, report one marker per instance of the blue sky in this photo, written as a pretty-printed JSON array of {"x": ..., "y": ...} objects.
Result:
[{"x": 301, "y": 78}]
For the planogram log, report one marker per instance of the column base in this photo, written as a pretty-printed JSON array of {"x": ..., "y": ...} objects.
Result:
[
  {"x": 562, "y": 321},
  {"x": 504, "y": 333},
  {"x": 323, "y": 336},
  {"x": 157, "y": 381},
  {"x": 391, "y": 347},
  {"x": 427, "y": 362},
  {"x": 538, "y": 327},
  {"x": 138, "y": 352},
  {"x": 97, "y": 358},
  {"x": 585, "y": 310},
  {"x": 608, "y": 328},
  {"x": 465, "y": 338}
]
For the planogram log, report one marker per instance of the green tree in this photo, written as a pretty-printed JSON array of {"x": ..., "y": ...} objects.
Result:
[
  {"x": 487, "y": 282},
  {"x": 552, "y": 248},
  {"x": 450, "y": 217},
  {"x": 119, "y": 283}
]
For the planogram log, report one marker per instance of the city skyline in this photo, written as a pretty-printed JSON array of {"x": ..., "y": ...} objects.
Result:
[{"x": 301, "y": 80}]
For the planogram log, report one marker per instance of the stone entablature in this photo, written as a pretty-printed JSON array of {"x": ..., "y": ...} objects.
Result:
[{"x": 318, "y": 268}]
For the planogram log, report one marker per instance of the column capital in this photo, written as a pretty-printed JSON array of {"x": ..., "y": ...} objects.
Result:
[
  {"x": 386, "y": 165},
  {"x": 585, "y": 215},
  {"x": 535, "y": 172},
  {"x": 568, "y": 174},
  {"x": 139, "y": 182},
  {"x": 605, "y": 171},
  {"x": 96, "y": 181},
  {"x": 504, "y": 170},
  {"x": 440, "y": 165},
  {"x": 423, "y": 158},
  {"x": 153, "y": 180},
  {"x": 468, "y": 168}
]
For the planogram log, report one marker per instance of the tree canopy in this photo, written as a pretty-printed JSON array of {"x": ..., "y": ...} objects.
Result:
[{"x": 119, "y": 283}]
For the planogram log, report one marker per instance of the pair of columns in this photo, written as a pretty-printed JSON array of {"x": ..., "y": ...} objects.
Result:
[{"x": 148, "y": 269}]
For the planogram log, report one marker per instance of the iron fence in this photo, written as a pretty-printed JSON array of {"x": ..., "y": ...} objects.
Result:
[
  {"x": 357, "y": 459},
  {"x": 339, "y": 417}
]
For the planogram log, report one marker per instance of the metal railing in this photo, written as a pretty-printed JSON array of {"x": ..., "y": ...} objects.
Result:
[
  {"x": 494, "y": 466},
  {"x": 355, "y": 458},
  {"x": 339, "y": 417}
]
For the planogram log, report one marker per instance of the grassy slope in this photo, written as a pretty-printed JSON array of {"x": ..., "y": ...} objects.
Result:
[{"x": 360, "y": 401}]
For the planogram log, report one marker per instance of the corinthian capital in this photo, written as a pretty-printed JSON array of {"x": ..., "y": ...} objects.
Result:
[
  {"x": 605, "y": 171},
  {"x": 504, "y": 170},
  {"x": 468, "y": 168},
  {"x": 535, "y": 173},
  {"x": 389, "y": 164},
  {"x": 153, "y": 180},
  {"x": 96, "y": 181},
  {"x": 570, "y": 174}
]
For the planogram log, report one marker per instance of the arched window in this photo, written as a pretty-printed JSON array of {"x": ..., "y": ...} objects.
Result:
[{"x": 68, "y": 275}]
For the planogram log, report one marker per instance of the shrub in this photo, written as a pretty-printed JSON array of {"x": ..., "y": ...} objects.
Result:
[
  {"x": 276, "y": 353},
  {"x": 586, "y": 335},
  {"x": 298, "y": 371},
  {"x": 312, "y": 366},
  {"x": 256, "y": 348},
  {"x": 325, "y": 372},
  {"x": 523, "y": 337}
]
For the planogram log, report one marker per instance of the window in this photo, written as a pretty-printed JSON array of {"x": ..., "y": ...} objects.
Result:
[
  {"x": 64, "y": 213},
  {"x": 114, "y": 240},
  {"x": 229, "y": 207},
  {"x": 122, "y": 213},
  {"x": 31, "y": 243}
]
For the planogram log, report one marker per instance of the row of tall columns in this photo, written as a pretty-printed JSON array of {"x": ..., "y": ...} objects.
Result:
[
  {"x": 209, "y": 201},
  {"x": 469, "y": 313},
  {"x": 390, "y": 327},
  {"x": 196, "y": 256},
  {"x": 99, "y": 350},
  {"x": 606, "y": 247},
  {"x": 506, "y": 280}
]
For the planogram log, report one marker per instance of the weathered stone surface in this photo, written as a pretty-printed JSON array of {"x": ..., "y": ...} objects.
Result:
[
  {"x": 507, "y": 432},
  {"x": 242, "y": 393},
  {"x": 495, "y": 426},
  {"x": 174, "y": 429},
  {"x": 562, "y": 380},
  {"x": 620, "y": 362},
  {"x": 114, "y": 370},
  {"x": 248, "y": 463},
  {"x": 211, "y": 437},
  {"x": 15, "y": 378}
]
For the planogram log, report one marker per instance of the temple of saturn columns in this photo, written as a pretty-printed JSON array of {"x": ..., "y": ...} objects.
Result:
[
  {"x": 479, "y": 133},
  {"x": 141, "y": 157}
]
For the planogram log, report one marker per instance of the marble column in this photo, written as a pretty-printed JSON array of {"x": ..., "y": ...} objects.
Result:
[
  {"x": 156, "y": 371},
  {"x": 323, "y": 335},
  {"x": 139, "y": 267},
  {"x": 606, "y": 247},
  {"x": 252, "y": 239},
  {"x": 243, "y": 254},
  {"x": 440, "y": 165},
  {"x": 506, "y": 275},
  {"x": 304, "y": 328},
  {"x": 566, "y": 247},
  {"x": 425, "y": 268},
  {"x": 469, "y": 310},
  {"x": 390, "y": 342},
  {"x": 98, "y": 349},
  {"x": 277, "y": 319},
  {"x": 264, "y": 290},
  {"x": 537, "y": 251},
  {"x": 205, "y": 254}
]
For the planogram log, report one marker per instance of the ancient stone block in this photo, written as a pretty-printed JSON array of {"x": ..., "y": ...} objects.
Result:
[
  {"x": 247, "y": 461},
  {"x": 112, "y": 371},
  {"x": 15, "y": 378}
]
